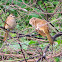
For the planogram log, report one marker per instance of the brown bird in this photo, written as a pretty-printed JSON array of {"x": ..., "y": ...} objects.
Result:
[
  {"x": 41, "y": 27},
  {"x": 10, "y": 23}
]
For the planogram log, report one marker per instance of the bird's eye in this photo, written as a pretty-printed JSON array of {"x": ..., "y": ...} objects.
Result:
[{"x": 12, "y": 16}]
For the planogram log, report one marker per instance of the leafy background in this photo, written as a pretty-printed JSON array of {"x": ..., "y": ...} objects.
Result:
[{"x": 24, "y": 10}]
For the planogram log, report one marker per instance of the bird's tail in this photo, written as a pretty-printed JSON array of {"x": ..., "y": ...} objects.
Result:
[
  {"x": 49, "y": 38},
  {"x": 5, "y": 36}
]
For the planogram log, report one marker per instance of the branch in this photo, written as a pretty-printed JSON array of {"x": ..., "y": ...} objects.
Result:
[
  {"x": 46, "y": 49},
  {"x": 22, "y": 52},
  {"x": 57, "y": 35}
]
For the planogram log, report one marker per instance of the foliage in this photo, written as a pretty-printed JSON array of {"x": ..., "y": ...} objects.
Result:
[{"x": 23, "y": 13}]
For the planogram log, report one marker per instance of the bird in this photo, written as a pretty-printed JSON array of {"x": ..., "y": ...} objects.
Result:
[
  {"x": 41, "y": 26},
  {"x": 9, "y": 24}
]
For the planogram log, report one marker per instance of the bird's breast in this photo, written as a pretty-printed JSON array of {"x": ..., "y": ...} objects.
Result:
[{"x": 11, "y": 23}]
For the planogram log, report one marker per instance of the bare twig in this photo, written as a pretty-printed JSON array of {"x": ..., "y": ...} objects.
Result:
[{"x": 22, "y": 52}]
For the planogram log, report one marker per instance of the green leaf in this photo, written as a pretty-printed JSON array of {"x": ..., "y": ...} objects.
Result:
[
  {"x": 4, "y": 50},
  {"x": 23, "y": 6},
  {"x": 17, "y": 26},
  {"x": 7, "y": 13},
  {"x": 34, "y": 15},
  {"x": 32, "y": 42},
  {"x": 57, "y": 59},
  {"x": 55, "y": 2},
  {"x": 12, "y": 9},
  {"x": 12, "y": 34},
  {"x": 39, "y": 2},
  {"x": 59, "y": 41}
]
